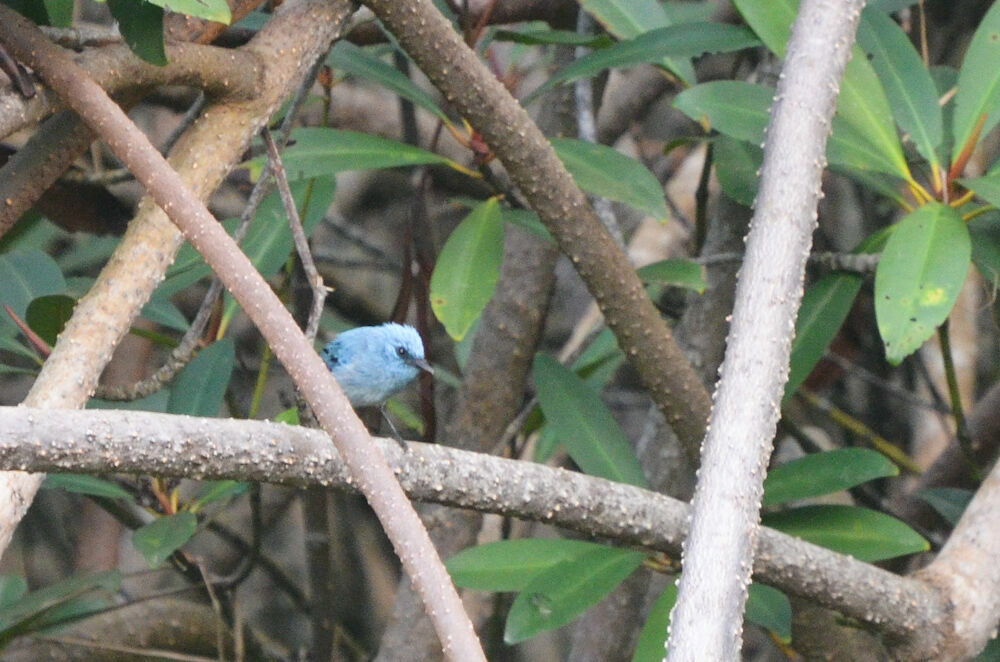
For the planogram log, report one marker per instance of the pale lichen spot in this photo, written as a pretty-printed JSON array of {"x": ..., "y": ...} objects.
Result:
[{"x": 932, "y": 297}]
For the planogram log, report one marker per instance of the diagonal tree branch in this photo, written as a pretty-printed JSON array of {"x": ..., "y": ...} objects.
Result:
[
  {"x": 550, "y": 190},
  {"x": 314, "y": 380}
]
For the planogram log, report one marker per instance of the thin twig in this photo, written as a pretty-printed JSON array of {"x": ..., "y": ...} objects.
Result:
[
  {"x": 298, "y": 236},
  {"x": 958, "y": 411}
]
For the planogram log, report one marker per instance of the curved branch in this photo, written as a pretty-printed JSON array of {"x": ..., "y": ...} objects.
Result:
[
  {"x": 219, "y": 72},
  {"x": 96, "y": 441}
]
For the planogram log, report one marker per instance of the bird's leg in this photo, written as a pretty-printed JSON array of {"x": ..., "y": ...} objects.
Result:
[{"x": 395, "y": 433}]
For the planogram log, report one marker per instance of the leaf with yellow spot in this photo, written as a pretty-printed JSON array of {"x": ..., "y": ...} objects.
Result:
[{"x": 921, "y": 272}]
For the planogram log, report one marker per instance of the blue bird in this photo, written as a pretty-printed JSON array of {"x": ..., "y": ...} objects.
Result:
[{"x": 373, "y": 363}]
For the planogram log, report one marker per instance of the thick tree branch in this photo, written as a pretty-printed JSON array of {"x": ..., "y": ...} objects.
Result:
[
  {"x": 319, "y": 388},
  {"x": 718, "y": 554},
  {"x": 550, "y": 190},
  {"x": 96, "y": 441},
  {"x": 224, "y": 74}
]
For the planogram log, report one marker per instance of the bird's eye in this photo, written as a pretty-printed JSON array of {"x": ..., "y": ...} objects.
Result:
[{"x": 401, "y": 352}]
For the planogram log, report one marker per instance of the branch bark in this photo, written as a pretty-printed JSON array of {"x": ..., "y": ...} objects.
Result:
[
  {"x": 319, "y": 23},
  {"x": 718, "y": 555},
  {"x": 96, "y": 441},
  {"x": 550, "y": 190}
]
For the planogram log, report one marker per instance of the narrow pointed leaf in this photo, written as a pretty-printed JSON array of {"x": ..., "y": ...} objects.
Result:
[
  {"x": 986, "y": 187},
  {"x": 603, "y": 171},
  {"x": 510, "y": 565},
  {"x": 824, "y": 308},
  {"x": 89, "y": 485},
  {"x": 162, "y": 537},
  {"x": 141, "y": 25},
  {"x": 771, "y": 20},
  {"x": 907, "y": 82},
  {"x": 865, "y": 534},
  {"x": 676, "y": 272},
  {"x": 688, "y": 40},
  {"x": 47, "y": 315},
  {"x": 467, "y": 269},
  {"x": 626, "y": 19},
  {"x": 201, "y": 386},
  {"x": 921, "y": 272},
  {"x": 825, "y": 473},
  {"x": 770, "y": 609},
  {"x": 320, "y": 151},
  {"x": 556, "y": 596},
  {"x": 653, "y": 638},
  {"x": 584, "y": 425},
  {"x": 979, "y": 82},
  {"x": 356, "y": 61},
  {"x": 733, "y": 108},
  {"x": 26, "y": 275},
  {"x": 862, "y": 102}
]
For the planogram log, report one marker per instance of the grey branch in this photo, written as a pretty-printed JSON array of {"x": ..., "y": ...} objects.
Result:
[{"x": 98, "y": 441}]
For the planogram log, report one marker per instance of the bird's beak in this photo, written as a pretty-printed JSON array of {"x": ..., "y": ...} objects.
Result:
[{"x": 423, "y": 365}]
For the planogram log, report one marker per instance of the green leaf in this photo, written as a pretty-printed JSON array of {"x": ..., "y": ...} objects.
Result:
[
  {"x": 538, "y": 35},
  {"x": 949, "y": 502},
  {"x": 921, "y": 272},
  {"x": 217, "y": 490},
  {"x": 691, "y": 39},
  {"x": 824, "y": 308},
  {"x": 467, "y": 269},
  {"x": 12, "y": 589},
  {"x": 26, "y": 275},
  {"x": 584, "y": 425},
  {"x": 210, "y": 10},
  {"x": 653, "y": 639},
  {"x": 60, "y": 12},
  {"x": 201, "y": 386},
  {"x": 159, "y": 539},
  {"x": 89, "y": 485},
  {"x": 770, "y": 609},
  {"x": 737, "y": 166},
  {"x": 907, "y": 82},
  {"x": 985, "y": 233},
  {"x": 509, "y": 565},
  {"x": 160, "y": 310},
  {"x": 986, "y": 187},
  {"x": 978, "y": 82},
  {"x": 603, "y": 171},
  {"x": 626, "y": 19},
  {"x": 851, "y": 149},
  {"x": 526, "y": 220},
  {"x": 358, "y": 62},
  {"x": 825, "y": 473},
  {"x": 141, "y": 25},
  {"x": 269, "y": 242},
  {"x": 865, "y": 534},
  {"x": 733, "y": 108},
  {"x": 771, "y": 20},
  {"x": 319, "y": 152},
  {"x": 556, "y": 596},
  {"x": 61, "y": 602},
  {"x": 677, "y": 272},
  {"x": 47, "y": 315},
  {"x": 862, "y": 103}
]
